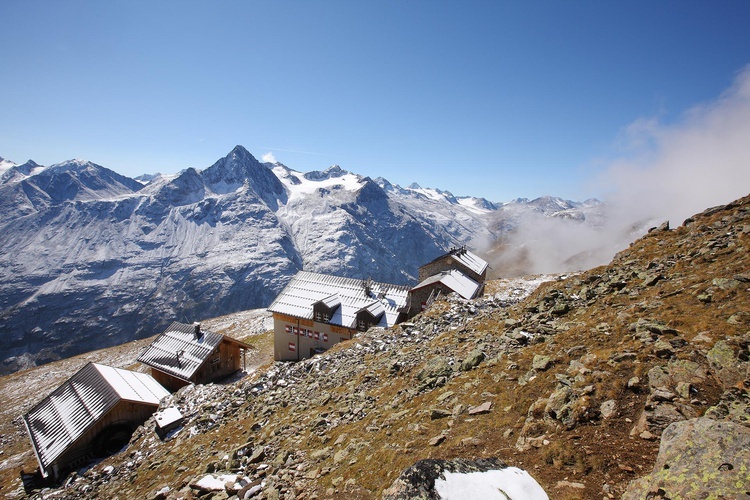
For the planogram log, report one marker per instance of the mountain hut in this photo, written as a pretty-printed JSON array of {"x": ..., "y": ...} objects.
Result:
[
  {"x": 316, "y": 311},
  {"x": 186, "y": 354},
  {"x": 92, "y": 414}
]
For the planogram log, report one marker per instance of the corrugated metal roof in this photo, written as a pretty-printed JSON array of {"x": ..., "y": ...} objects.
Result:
[
  {"x": 375, "y": 308},
  {"x": 132, "y": 386},
  {"x": 178, "y": 352},
  {"x": 470, "y": 260},
  {"x": 307, "y": 288},
  {"x": 61, "y": 418},
  {"x": 332, "y": 302},
  {"x": 465, "y": 257},
  {"x": 456, "y": 281}
]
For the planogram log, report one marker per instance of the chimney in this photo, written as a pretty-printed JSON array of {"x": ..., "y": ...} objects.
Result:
[
  {"x": 367, "y": 285},
  {"x": 198, "y": 333}
]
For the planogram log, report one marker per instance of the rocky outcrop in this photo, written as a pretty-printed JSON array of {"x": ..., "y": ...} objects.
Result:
[{"x": 698, "y": 458}]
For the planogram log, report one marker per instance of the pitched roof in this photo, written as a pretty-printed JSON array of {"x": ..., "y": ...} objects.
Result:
[
  {"x": 465, "y": 257},
  {"x": 332, "y": 301},
  {"x": 61, "y": 418},
  {"x": 179, "y": 352},
  {"x": 308, "y": 288},
  {"x": 455, "y": 280}
]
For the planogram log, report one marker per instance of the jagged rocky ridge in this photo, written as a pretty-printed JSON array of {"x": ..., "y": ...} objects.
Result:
[
  {"x": 91, "y": 259},
  {"x": 576, "y": 384}
]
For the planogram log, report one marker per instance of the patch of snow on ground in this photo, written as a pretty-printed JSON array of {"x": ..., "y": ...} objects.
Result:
[
  {"x": 215, "y": 483},
  {"x": 429, "y": 193},
  {"x": 517, "y": 289},
  {"x": 504, "y": 484}
]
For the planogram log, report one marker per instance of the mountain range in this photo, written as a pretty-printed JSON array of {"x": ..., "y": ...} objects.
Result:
[{"x": 91, "y": 258}]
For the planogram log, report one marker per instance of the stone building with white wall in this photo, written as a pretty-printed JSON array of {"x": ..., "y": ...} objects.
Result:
[{"x": 316, "y": 311}]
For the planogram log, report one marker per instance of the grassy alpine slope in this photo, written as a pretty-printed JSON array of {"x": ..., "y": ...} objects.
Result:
[{"x": 574, "y": 384}]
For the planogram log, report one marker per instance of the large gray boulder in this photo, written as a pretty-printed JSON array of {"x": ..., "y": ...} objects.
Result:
[{"x": 698, "y": 458}]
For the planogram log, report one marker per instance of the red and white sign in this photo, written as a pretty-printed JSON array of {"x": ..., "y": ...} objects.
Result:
[
  {"x": 295, "y": 330},
  {"x": 292, "y": 346},
  {"x": 316, "y": 335},
  {"x": 309, "y": 334},
  {"x": 288, "y": 329},
  {"x": 325, "y": 337}
]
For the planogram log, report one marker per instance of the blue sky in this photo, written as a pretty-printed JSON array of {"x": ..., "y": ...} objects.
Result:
[{"x": 495, "y": 99}]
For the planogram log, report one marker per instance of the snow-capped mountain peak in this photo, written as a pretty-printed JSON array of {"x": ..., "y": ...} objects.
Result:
[
  {"x": 332, "y": 171},
  {"x": 5, "y": 165},
  {"x": 10, "y": 172},
  {"x": 91, "y": 258},
  {"x": 240, "y": 168}
]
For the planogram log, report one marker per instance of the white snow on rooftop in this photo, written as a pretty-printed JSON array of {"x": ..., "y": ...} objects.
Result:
[
  {"x": 511, "y": 483},
  {"x": 132, "y": 386},
  {"x": 456, "y": 281},
  {"x": 306, "y": 289},
  {"x": 472, "y": 261}
]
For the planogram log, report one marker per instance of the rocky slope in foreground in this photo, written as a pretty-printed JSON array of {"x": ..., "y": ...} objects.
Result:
[{"x": 576, "y": 384}]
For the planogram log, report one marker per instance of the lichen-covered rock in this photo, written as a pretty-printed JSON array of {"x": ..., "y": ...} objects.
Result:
[
  {"x": 728, "y": 364},
  {"x": 608, "y": 409},
  {"x": 472, "y": 360},
  {"x": 435, "y": 368},
  {"x": 698, "y": 458},
  {"x": 560, "y": 406},
  {"x": 540, "y": 362},
  {"x": 734, "y": 405},
  {"x": 682, "y": 370}
]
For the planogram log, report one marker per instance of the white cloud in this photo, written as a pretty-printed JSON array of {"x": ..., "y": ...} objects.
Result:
[
  {"x": 666, "y": 172},
  {"x": 269, "y": 158},
  {"x": 674, "y": 171}
]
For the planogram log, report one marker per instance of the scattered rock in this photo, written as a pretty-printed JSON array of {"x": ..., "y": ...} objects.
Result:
[
  {"x": 437, "y": 440},
  {"x": 472, "y": 360},
  {"x": 437, "y": 413},
  {"x": 568, "y": 484},
  {"x": 541, "y": 363},
  {"x": 608, "y": 409},
  {"x": 485, "y": 407}
]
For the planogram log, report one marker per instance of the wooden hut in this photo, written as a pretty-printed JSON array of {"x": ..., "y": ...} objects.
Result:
[
  {"x": 92, "y": 414},
  {"x": 186, "y": 354}
]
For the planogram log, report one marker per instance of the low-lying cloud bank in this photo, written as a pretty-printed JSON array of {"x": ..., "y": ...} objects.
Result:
[{"x": 667, "y": 172}]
